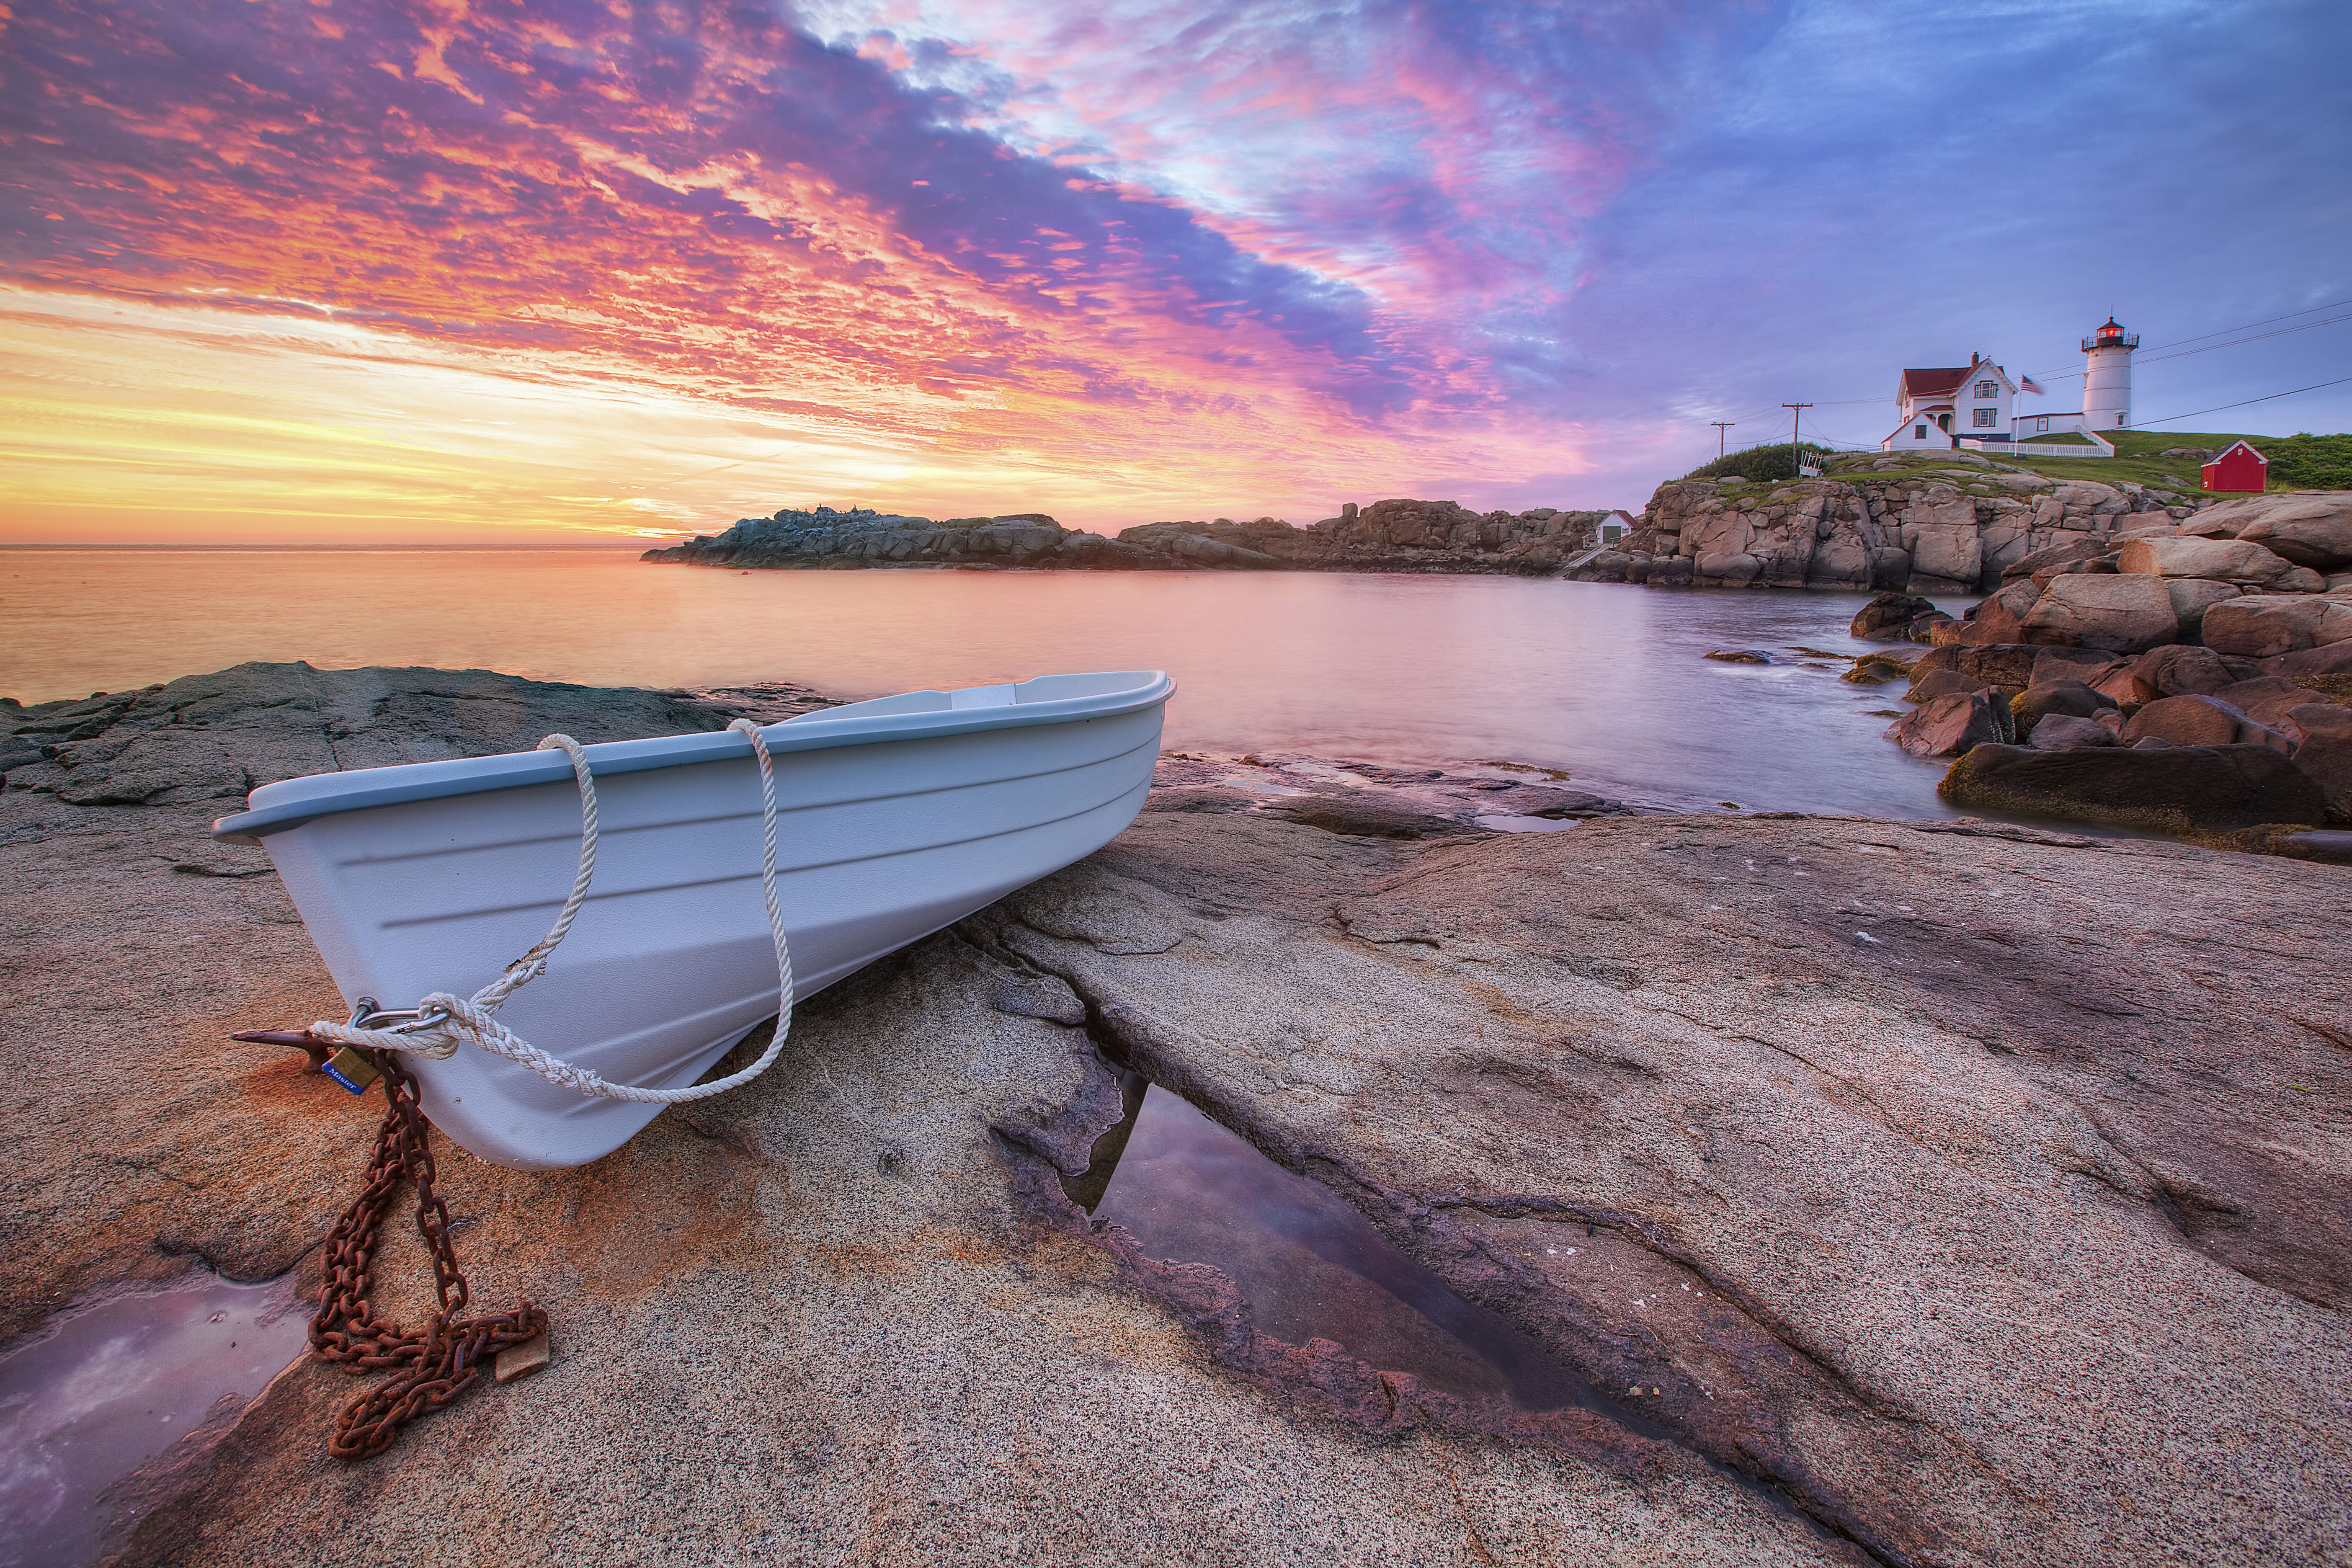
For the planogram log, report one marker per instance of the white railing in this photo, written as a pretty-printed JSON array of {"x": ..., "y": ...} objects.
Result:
[{"x": 2098, "y": 448}]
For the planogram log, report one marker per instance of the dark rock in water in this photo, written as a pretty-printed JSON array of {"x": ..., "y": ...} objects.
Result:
[
  {"x": 1950, "y": 725},
  {"x": 1745, "y": 655},
  {"x": 2173, "y": 789},
  {"x": 1888, "y": 617},
  {"x": 1997, "y": 664}
]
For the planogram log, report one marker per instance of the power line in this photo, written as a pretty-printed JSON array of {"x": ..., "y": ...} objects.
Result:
[
  {"x": 2217, "y": 409},
  {"x": 2056, "y": 375}
]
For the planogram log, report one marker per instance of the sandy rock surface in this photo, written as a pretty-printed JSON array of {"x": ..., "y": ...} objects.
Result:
[{"x": 1969, "y": 1195}]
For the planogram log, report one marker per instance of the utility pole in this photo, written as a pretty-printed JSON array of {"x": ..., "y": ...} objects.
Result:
[
  {"x": 1720, "y": 426},
  {"x": 1794, "y": 428}
]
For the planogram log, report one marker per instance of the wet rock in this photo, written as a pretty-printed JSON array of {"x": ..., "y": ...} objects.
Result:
[
  {"x": 2120, "y": 614},
  {"x": 1888, "y": 617},
  {"x": 1948, "y": 726},
  {"x": 2261, "y": 626},
  {"x": 1745, "y": 655},
  {"x": 2169, "y": 789},
  {"x": 2000, "y": 664}
]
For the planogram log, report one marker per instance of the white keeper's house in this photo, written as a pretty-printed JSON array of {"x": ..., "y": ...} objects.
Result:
[
  {"x": 1974, "y": 404},
  {"x": 1942, "y": 403}
]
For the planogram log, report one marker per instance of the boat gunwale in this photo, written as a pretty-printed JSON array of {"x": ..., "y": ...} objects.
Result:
[{"x": 362, "y": 789}]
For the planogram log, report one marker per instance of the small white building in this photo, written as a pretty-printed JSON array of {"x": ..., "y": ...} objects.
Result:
[{"x": 1941, "y": 404}]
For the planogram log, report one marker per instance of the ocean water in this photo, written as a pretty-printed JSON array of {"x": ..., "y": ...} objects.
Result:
[{"x": 1606, "y": 680}]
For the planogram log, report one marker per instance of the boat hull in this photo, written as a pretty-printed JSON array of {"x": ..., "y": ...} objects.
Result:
[{"x": 878, "y": 843}]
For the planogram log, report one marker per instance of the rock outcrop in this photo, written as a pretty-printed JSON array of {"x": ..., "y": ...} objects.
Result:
[
  {"x": 1950, "y": 524},
  {"x": 1745, "y": 1122},
  {"x": 1386, "y": 536},
  {"x": 2200, "y": 637}
]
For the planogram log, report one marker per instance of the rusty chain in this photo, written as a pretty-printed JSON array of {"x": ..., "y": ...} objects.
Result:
[{"x": 439, "y": 1360}]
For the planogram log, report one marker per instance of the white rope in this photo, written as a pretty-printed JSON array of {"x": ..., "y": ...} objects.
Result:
[{"x": 447, "y": 1022}]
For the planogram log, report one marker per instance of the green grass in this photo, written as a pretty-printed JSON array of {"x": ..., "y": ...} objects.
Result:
[{"x": 1763, "y": 464}]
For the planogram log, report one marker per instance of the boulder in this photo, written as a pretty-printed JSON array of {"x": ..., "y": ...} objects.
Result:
[
  {"x": 2310, "y": 527},
  {"x": 2120, "y": 614},
  {"x": 1888, "y": 617},
  {"x": 2180, "y": 667},
  {"x": 1937, "y": 683},
  {"x": 2062, "y": 696},
  {"x": 2064, "y": 733},
  {"x": 1997, "y": 664},
  {"x": 2267, "y": 699},
  {"x": 2192, "y": 597},
  {"x": 2261, "y": 625},
  {"x": 2236, "y": 561},
  {"x": 1948, "y": 726},
  {"x": 2201, "y": 721},
  {"x": 2001, "y": 618},
  {"x": 2324, "y": 753},
  {"x": 1729, "y": 568},
  {"x": 2066, "y": 552},
  {"x": 2163, "y": 789},
  {"x": 2335, "y": 658},
  {"x": 2083, "y": 664}
]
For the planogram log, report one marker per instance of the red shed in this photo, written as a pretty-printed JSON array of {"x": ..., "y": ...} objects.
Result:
[{"x": 2239, "y": 468}]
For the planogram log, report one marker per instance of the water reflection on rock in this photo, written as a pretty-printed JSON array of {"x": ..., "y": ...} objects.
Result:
[
  {"x": 1308, "y": 1265},
  {"x": 108, "y": 1388}
]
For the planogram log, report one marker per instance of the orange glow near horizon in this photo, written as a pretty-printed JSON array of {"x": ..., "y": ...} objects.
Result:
[{"x": 441, "y": 272}]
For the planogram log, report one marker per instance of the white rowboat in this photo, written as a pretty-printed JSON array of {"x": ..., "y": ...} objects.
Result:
[{"x": 896, "y": 818}]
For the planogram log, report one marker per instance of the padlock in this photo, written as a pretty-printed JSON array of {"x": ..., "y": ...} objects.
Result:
[{"x": 351, "y": 1067}]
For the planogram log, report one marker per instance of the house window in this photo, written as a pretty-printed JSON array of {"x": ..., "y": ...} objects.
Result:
[
  {"x": 1985, "y": 418},
  {"x": 1920, "y": 434},
  {"x": 1987, "y": 388},
  {"x": 2042, "y": 426}
]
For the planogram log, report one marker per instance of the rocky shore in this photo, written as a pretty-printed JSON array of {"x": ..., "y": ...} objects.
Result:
[
  {"x": 1918, "y": 1193},
  {"x": 1950, "y": 523},
  {"x": 2177, "y": 677},
  {"x": 1388, "y": 536}
]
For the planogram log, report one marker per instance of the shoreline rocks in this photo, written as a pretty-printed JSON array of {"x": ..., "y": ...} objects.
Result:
[
  {"x": 1401, "y": 535},
  {"x": 1954, "y": 523},
  {"x": 1750, "y": 1115},
  {"x": 2198, "y": 640}
]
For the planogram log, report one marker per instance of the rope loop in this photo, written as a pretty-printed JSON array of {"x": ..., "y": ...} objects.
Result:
[{"x": 445, "y": 1021}]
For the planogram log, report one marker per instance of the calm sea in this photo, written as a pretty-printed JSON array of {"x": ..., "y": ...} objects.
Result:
[{"x": 1605, "y": 681}]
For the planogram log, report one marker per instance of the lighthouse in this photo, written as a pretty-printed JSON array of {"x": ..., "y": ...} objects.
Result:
[{"x": 2106, "y": 379}]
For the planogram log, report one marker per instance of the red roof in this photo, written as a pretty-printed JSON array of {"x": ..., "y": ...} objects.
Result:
[{"x": 1940, "y": 382}]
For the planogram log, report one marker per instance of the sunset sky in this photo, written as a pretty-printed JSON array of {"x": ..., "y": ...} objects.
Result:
[{"x": 279, "y": 270}]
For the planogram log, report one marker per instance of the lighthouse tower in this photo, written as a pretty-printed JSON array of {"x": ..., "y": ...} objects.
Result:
[{"x": 2106, "y": 382}]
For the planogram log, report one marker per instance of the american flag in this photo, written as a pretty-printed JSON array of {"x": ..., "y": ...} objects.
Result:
[{"x": 2029, "y": 385}]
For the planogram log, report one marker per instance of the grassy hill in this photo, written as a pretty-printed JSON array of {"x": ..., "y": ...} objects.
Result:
[{"x": 2303, "y": 462}]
